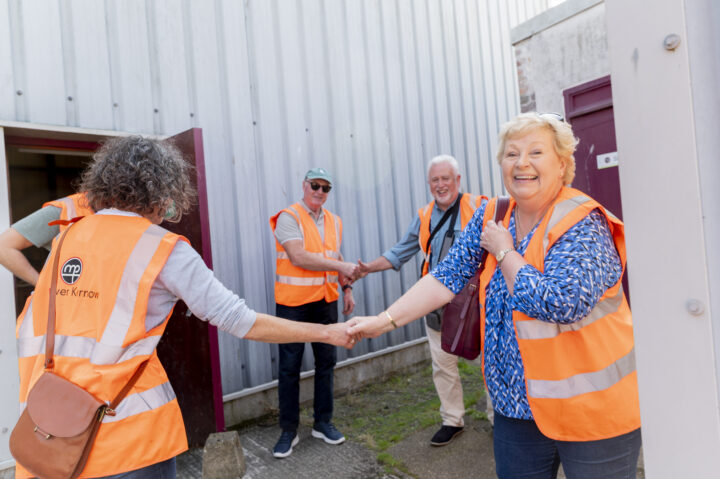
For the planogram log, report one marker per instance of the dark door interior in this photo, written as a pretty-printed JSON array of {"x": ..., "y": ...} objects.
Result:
[{"x": 40, "y": 170}]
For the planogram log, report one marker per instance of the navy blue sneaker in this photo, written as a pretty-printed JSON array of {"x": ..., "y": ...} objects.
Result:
[
  {"x": 328, "y": 433},
  {"x": 284, "y": 446}
]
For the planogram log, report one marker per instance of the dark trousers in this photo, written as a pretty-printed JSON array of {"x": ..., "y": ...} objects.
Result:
[
  {"x": 161, "y": 470},
  {"x": 291, "y": 354},
  {"x": 521, "y": 450}
]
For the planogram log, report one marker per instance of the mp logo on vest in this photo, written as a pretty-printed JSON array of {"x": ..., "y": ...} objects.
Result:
[{"x": 71, "y": 270}]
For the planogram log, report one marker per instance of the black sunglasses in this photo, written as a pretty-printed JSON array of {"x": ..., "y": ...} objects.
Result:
[{"x": 315, "y": 186}]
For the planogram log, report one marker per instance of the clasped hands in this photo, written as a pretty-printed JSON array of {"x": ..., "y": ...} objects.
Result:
[{"x": 349, "y": 333}]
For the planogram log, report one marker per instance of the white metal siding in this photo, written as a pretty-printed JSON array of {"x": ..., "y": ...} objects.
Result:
[{"x": 368, "y": 89}]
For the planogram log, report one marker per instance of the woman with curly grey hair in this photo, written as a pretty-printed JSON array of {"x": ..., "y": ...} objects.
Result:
[
  {"x": 120, "y": 278},
  {"x": 555, "y": 326},
  {"x": 139, "y": 175}
]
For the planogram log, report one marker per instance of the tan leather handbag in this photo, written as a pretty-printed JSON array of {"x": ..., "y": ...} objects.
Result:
[{"x": 55, "y": 433}]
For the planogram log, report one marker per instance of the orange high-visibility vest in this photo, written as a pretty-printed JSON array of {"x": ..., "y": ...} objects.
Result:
[
  {"x": 108, "y": 265},
  {"x": 71, "y": 207},
  {"x": 468, "y": 204},
  {"x": 297, "y": 286},
  {"x": 580, "y": 378}
]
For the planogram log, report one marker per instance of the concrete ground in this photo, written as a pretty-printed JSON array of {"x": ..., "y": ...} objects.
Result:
[
  {"x": 470, "y": 455},
  {"x": 408, "y": 457}
]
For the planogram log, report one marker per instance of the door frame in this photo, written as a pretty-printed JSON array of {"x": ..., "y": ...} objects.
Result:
[{"x": 39, "y": 135}]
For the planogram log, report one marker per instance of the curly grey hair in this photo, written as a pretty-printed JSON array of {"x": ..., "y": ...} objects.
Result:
[{"x": 140, "y": 175}]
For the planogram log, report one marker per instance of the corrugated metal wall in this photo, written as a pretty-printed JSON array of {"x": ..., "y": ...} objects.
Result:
[{"x": 368, "y": 89}]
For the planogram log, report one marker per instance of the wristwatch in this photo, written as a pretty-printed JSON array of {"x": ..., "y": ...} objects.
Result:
[{"x": 501, "y": 255}]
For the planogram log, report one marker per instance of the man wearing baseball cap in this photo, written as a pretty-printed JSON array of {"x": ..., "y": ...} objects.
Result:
[{"x": 310, "y": 271}]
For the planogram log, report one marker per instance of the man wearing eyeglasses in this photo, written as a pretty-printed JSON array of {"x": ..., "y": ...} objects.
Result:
[
  {"x": 309, "y": 270},
  {"x": 432, "y": 231}
]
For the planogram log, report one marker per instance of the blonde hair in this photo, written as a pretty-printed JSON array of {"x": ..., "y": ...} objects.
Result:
[{"x": 563, "y": 138}]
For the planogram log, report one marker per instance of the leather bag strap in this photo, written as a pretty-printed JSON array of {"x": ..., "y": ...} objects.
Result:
[
  {"x": 501, "y": 207},
  {"x": 503, "y": 202},
  {"x": 50, "y": 332},
  {"x": 121, "y": 395}
]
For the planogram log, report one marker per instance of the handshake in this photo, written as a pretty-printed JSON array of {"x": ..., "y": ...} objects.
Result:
[
  {"x": 353, "y": 272},
  {"x": 349, "y": 333}
]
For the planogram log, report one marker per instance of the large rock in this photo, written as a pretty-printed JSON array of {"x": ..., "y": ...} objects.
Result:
[{"x": 223, "y": 456}]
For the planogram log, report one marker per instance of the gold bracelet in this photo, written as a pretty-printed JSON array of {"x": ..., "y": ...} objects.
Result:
[{"x": 394, "y": 324}]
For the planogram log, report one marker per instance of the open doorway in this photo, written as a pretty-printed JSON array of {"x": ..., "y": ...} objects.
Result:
[
  {"x": 43, "y": 165},
  {"x": 40, "y": 170}
]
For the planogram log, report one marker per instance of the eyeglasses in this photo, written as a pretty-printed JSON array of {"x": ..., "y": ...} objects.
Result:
[
  {"x": 315, "y": 186},
  {"x": 554, "y": 116}
]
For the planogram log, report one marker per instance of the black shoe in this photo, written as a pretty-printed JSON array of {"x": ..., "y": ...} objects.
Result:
[
  {"x": 445, "y": 435},
  {"x": 284, "y": 446}
]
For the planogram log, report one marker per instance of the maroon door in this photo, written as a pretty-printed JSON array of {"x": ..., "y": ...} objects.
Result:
[
  {"x": 589, "y": 109},
  {"x": 189, "y": 347}
]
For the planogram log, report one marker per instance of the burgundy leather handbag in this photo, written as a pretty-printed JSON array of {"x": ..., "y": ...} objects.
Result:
[{"x": 460, "y": 330}]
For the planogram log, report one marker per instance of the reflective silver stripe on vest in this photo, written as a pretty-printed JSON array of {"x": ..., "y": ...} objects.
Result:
[
  {"x": 583, "y": 383},
  {"x": 294, "y": 281},
  {"x": 69, "y": 208},
  {"x": 110, "y": 350},
  {"x": 536, "y": 329},
  {"x": 284, "y": 255},
  {"x": 337, "y": 233},
  {"x": 142, "y": 402},
  {"x": 298, "y": 217},
  {"x": 106, "y": 354},
  {"x": 332, "y": 254},
  {"x": 81, "y": 347},
  {"x": 561, "y": 210},
  {"x": 67, "y": 346},
  {"x": 26, "y": 328}
]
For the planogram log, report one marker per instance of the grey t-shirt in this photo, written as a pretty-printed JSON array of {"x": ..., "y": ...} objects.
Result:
[
  {"x": 34, "y": 227},
  {"x": 287, "y": 227}
]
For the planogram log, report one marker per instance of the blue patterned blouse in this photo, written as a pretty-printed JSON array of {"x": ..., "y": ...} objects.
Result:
[{"x": 579, "y": 268}]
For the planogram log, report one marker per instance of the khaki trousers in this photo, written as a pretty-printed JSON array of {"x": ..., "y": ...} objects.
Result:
[{"x": 447, "y": 381}]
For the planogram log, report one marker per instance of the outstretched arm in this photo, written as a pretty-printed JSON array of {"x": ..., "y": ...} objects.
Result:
[
  {"x": 381, "y": 263},
  {"x": 426, "y": 295},
  {"x": 270, "y": 329}
]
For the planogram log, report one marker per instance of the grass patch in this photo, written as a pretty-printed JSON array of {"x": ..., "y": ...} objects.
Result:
[{"x": 382, "y": 414}]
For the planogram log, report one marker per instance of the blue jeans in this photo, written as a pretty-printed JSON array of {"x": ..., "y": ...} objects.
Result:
[
  {"x": 291, "y": 354},
  {"x": 521, "y": 450},
  {"x": 159, "y": 470}
]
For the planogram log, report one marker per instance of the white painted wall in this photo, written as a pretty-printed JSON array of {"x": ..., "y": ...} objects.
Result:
[
  {"x": 9, "y": 406},
  {"x": 559, "y": 49},
  {"x": 666, "y": 115}
]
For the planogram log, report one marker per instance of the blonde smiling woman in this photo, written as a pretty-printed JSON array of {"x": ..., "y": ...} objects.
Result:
[{"x": 556, "y": 329}]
